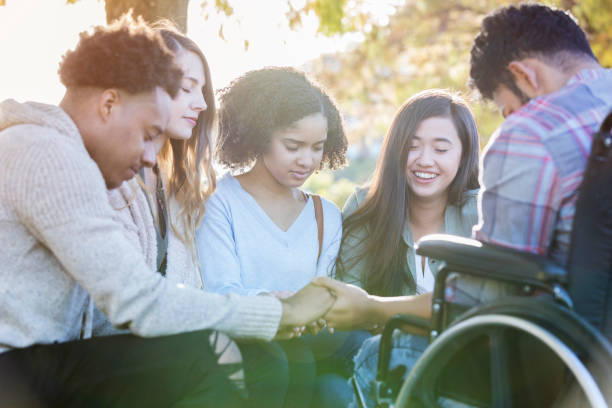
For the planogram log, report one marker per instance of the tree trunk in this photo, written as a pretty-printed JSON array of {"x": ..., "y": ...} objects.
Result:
[{"x": 150, "y": 10}]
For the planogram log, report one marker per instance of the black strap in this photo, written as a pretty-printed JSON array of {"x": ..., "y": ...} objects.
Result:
[{"x": 162, "y": 217}]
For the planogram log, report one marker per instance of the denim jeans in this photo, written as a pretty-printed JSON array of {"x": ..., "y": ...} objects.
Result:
[
  {"x": 406, "y": 350},
  {"x": 335, "y": 354}
]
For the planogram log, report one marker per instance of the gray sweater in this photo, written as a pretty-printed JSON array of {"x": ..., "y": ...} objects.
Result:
[{"x": 61, "y": 251}]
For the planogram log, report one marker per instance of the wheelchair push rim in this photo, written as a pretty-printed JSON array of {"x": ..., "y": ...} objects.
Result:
[{"x": 418, "y": 375}]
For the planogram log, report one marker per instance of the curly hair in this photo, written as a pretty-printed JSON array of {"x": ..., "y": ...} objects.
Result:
[
  {"x": 126, "y": 55},
  {"x": 530, "y": 30},
  {"x": 263, "y": 101}
]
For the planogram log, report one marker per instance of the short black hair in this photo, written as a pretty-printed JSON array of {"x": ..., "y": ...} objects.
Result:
[
  {"x": 529, "y": 30},
  {"x": 263, "y": 101},
  {"x": 127, "y": 55}
]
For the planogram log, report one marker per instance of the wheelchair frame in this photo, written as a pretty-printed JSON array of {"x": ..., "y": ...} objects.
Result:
[{"x": 470, "y": 257}]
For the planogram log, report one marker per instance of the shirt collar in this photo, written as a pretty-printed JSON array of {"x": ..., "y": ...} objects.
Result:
[
  {"x": 450, "y": 225},
  {"x": 587, "y": 74}
]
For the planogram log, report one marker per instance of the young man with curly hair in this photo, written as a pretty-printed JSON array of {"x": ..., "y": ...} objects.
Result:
[
  {"x": 536, "y": 64},
  {"x": 62, "y": 251}
]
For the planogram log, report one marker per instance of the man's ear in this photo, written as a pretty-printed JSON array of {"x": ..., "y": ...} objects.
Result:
[
  {"x": 525, "y": 77},
  {"x": 108, "y": 103}
]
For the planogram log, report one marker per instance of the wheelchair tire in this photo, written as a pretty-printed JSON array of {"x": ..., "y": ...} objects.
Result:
[{"x": 495, "y": 329}]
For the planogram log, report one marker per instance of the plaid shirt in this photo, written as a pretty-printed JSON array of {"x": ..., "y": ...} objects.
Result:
[
  {"x": 534, "y": 163},
  {"x": 532, "y": 168}
]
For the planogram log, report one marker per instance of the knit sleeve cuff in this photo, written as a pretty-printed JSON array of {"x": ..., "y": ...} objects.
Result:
[{"x": 259, "y": 317}]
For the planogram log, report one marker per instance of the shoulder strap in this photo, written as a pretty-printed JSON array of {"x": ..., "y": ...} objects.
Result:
[{"x": 318, "y": 207}]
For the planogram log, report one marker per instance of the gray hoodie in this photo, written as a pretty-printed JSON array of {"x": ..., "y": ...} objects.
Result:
[{"x": 61, "y": 250}]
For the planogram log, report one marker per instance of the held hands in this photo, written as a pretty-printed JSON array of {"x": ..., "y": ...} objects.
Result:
[
  {"x": 282, "y": 294},
  {"x": 353, "y": 308},
  {"x": 304, "y": 308}
]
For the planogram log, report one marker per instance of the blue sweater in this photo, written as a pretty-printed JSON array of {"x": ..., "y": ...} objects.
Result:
[{"x": 243, "y": 251}]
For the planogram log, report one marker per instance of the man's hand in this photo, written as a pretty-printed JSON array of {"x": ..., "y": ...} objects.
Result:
[
  {"x": 305, "y": 307},
  {"x": 352, "y": 309}
]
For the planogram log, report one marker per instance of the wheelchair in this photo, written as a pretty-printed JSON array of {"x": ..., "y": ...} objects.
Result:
[{"x": 550, "y": 346}]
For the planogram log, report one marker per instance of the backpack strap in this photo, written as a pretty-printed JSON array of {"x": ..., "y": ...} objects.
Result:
[{"x": 318, "y": 207}]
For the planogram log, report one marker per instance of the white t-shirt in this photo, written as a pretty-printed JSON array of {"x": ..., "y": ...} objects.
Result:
[{"x": 424, "y": 278}]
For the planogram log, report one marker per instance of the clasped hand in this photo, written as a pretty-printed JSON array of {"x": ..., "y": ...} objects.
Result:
[
  {"x": 303, "y": 310},
  {"x": 352, "y": 308},
  {"x": 326, "y": 302}
]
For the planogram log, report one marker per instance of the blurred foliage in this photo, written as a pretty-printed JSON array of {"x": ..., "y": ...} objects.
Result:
[
  {"x": 330, "y": 186},
  {"x": 402, "y": 47},
  {"x": 425, "y": 44},
  {"x": 595, "y": 16}
]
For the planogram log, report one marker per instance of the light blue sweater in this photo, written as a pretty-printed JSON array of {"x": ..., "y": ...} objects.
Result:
[{"x": 243, "y": 251}]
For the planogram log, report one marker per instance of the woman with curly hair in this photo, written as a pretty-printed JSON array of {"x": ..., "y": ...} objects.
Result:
[{"x": 261, "y": 234}]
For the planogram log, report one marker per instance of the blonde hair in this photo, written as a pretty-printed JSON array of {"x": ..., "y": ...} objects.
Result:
[{"x": 186, "y": 165}]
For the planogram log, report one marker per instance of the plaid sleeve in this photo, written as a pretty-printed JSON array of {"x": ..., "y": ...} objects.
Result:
[{"x": 520, "y": 198}]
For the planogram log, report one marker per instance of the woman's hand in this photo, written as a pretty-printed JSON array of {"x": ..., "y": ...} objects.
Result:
[
  {"x": 286, "y": 333},
  {"x": 282, "y": 294},
  {"x": 352, "y": 309},
  {"x": 316, "y": 327},
  {"x": 305, "y": 307}
]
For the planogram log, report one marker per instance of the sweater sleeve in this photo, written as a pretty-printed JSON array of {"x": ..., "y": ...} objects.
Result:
[
  {"x": 220, "y": 266},
  {"x": 59, "y": 195}
]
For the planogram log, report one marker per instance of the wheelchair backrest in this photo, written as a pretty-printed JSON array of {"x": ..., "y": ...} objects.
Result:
[{"x": 590, "y": 260}]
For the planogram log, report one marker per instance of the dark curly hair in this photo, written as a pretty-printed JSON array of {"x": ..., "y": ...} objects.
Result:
[
  {"x": 529, "y": 30},
  {"x": 263, "y": 101},
  {"x": 126, "y": 55}
]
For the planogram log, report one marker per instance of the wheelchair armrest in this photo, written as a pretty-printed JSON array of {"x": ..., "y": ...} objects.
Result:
[
  {"x": 477, "y": 258},
  {"x": 384, "y": 351}
]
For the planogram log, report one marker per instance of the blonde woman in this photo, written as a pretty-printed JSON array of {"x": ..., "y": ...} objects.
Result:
[{"x": 161, "y": 211}]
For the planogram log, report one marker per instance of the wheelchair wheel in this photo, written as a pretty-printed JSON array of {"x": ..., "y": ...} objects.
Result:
[{"x": 517, "y": 352}]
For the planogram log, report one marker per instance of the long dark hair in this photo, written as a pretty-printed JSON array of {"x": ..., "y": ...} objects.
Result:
[{"x": 383, "y": 213}]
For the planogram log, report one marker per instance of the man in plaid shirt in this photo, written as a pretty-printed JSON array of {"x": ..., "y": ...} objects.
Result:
[{"x": 535, "y": 63}]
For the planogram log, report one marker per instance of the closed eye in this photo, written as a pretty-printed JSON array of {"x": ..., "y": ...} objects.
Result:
[
  {"x": 153, "y": 134},
  {"x": 318, "y": 147}
]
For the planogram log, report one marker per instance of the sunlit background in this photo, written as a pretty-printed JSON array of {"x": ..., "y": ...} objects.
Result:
[
  {"x": 375, "y": 54},
  {"x": 36, "y": 33}
]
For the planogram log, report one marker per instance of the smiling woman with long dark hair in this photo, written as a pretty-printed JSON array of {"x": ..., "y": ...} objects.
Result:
[{"x": 424, "y": 183}]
